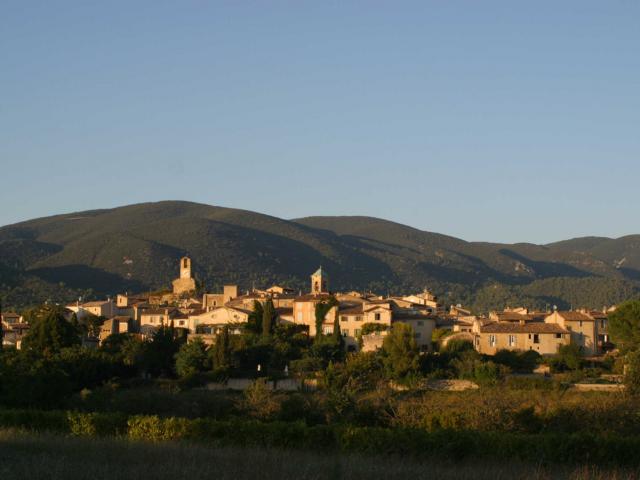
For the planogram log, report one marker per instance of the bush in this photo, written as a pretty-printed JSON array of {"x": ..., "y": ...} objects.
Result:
[
  {"x": 445, "y": 444},
  {"x": 518, "y": 361}
]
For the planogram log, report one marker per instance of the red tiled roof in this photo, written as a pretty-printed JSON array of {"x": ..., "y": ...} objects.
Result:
[
  {"x": 530, "y": 327},
  {"x": 574, "y": 316}
]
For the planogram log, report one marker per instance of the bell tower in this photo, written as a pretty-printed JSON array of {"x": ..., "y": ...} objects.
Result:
[
  {"x": 185, "y": 267},
  {"x": 319, "y": 282},
  {"x": 185, "y": 282}
]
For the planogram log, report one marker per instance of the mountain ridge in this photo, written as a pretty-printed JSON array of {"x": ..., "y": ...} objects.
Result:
[{"x": 136, "y": 247}]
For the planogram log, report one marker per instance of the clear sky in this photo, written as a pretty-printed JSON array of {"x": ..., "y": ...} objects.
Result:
[{"x": 499, "y": 121}]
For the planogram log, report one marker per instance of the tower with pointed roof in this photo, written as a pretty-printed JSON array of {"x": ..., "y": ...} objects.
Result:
[{"x": 319, "y": 282}]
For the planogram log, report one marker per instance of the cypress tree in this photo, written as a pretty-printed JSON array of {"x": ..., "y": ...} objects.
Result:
[
  {"x": 268, "y": 316},
  {"x": 255, "y": 318},
  {"x": 222, "y": 352}
]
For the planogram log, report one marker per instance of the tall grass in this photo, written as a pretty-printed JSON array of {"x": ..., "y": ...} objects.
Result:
[{"x": 46, "y": 456}]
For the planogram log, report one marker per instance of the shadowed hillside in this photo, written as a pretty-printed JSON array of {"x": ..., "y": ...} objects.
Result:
[{"x": 136, "y": 248}]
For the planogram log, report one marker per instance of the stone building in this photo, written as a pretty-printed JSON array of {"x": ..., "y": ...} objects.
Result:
[{"x": 185, "y": 283}]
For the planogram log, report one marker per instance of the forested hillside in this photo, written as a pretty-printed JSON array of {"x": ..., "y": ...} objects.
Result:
[{"x": 136, "y": 247}]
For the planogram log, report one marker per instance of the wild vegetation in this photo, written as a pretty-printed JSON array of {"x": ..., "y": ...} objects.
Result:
[
  {"x": 28, "y": 455},
  {"x": 359, "y": 407}
]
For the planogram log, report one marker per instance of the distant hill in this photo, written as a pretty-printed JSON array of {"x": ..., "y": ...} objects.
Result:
[{"x": 136, "y": 248}]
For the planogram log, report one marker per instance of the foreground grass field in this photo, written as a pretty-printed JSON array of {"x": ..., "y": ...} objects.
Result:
[{"x": 26, "y": 455}]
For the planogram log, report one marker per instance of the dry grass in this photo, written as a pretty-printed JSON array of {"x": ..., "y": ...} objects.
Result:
[{"x": 24, "y": 455}]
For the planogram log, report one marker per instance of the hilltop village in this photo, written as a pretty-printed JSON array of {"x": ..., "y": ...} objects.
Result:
[{"x": 363, "y": 319}]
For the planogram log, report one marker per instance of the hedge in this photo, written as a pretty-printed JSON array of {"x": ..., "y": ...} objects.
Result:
[{"x": 443, "y": 444}]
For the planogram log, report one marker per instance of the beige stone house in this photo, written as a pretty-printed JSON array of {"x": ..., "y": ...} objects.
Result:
[
  {"x": 583, "y": 328},
  {"x": 218, "y": 317},
  {"x": 214, "y": 300},
  {"x": 115, "y": 325},
  {"x": 100, "y": 308},
  {"x": 544, "y": 338}
]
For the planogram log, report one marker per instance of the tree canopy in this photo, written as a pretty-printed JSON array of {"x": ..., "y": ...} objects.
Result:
[
  {"x": 49, "y": 331},
  {"x": 624, "y": 325}
]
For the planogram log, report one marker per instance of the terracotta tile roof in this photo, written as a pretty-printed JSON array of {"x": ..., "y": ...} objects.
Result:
[
  {"x": 574, "y": 316},
  {"x": 529, "y": 327},
  {"x": 97, "y": 303},
  {"x": 309, "y": 297},
  {"x": 352, "y": 310}
]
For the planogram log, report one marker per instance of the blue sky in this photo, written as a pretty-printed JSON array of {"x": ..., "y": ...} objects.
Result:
[{"x": 499, "y": 121}]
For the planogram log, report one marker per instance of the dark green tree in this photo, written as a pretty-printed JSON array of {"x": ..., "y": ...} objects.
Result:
[
  {"x": 337, "y": 332},
  {"x": 255, "y": 318},
  {"x": 632, "y": 372},
  {"x": 1, "y": 327},
  {"x": 159, "y": 353},
  {"x": 400, "y": 352},
  {"x": 222, "y": 350},
  {"x": 268, "y": 317},
  {"x": 192, "y": 358},
  {"x": 49, "y": 331},
  {"x": 624, "y": 325}
]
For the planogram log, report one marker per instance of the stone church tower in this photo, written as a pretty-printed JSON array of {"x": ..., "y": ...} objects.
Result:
[
  {"x": 319, "y": 282},
  {"x": 185, "y": 283}
]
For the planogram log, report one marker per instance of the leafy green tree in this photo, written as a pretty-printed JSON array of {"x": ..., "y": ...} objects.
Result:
[
  {"x": 159, "y": 353},
  {"x": 326, "y": 350},
  {"x": 32, "y": 380},
  {"x": 49, "y": 331},
  {"x": 89, "y": 324},
  {"x": 569, "y": 357},
  {"x": 400, "y": 352},
  {"x": 624, "y": 325},
  {"x": 632, "y": 372},
  {"x": 192, "y": 358},
  {"x": 268, "y": 317},
  {"x": 457, "y": 346},
  {"x": 517, "y": 361}
]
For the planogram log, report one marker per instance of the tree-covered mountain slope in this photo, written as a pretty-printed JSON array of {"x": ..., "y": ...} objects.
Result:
[{"x": 136, "y": 248}]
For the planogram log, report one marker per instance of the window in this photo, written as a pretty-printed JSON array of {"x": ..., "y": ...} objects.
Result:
[
  {"x": 343, "y": 318},
  {"x": 420, "y": 323},
  {"x": 181, "y": 322},
  {"x": 558, "y": 335},
  {"x": 376, "y": 316},
  {"x": 580, "y": 323},
  {"x": 345, "y": 333},
  {"x": 536, "y": 338},
  {"x": 358, "y": 318},
  {"x": 512, "y": 340},
  {"x": 327, "y": 330},
  {"x": 492, "y": 340},
  {"x": 417, "y": 335}
]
